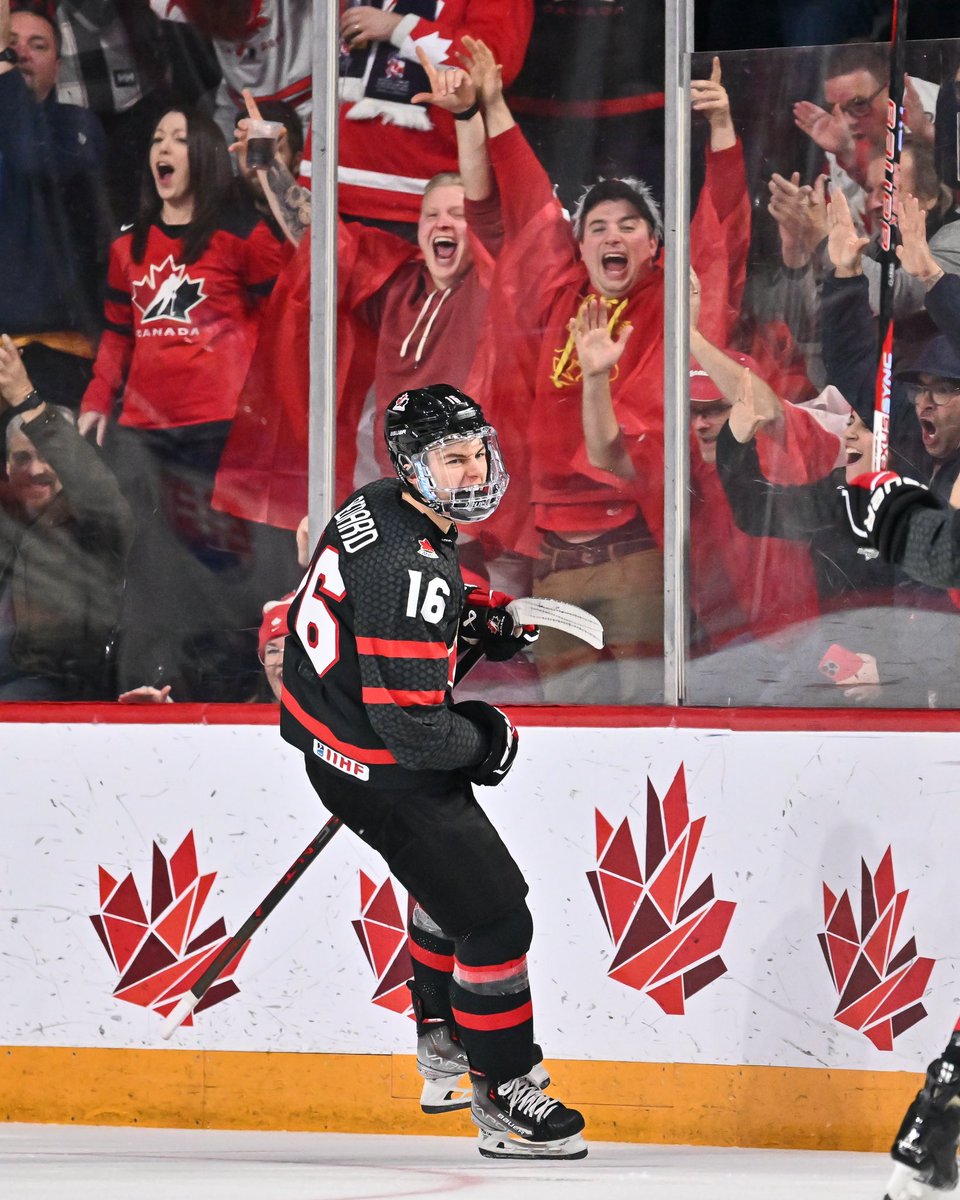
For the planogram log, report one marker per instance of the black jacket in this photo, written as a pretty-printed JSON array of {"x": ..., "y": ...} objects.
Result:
[{"x": 64, "y": 567}]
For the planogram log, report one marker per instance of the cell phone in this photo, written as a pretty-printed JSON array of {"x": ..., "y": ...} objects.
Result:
[{"x": 840, "y": 664}]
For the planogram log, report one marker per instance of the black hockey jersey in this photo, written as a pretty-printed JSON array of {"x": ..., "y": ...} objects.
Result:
[{"x": 369, "y": 662}]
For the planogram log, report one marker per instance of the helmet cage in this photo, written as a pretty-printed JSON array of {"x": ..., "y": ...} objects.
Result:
[{"x": 462, "y": 504}]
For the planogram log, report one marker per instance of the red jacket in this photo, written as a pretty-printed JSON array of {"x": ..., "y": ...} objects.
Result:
[
  {"x": 539, "y": 284},
  {"x": 393, "y": 331},
  {"x": 179, "y": 339}
]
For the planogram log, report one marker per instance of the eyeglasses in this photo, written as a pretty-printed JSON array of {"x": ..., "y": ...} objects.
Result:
[
  {"x": 858, "y": 107},
  {"x": 708, "y": 411},
  {"x": 272, "y": 652},
  {"x": 941, "y": 391}
]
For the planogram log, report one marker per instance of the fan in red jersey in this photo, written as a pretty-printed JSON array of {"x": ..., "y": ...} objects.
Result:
[{"x": 184, "y": 289}]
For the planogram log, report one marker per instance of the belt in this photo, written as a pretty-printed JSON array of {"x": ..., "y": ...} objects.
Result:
[
  {"x": 584, "y": 554},
  {"x": 67, "y": 341}
]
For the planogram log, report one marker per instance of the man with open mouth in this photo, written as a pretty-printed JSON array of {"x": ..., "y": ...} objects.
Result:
[{"x": 597, "y": 528}]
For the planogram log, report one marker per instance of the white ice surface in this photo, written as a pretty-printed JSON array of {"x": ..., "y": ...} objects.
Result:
[{"x": 48, "y": 1162}]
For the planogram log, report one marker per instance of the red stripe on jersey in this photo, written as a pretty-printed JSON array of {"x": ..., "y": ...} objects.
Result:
[
  {"x": 386, "y": 648},
  {"x": 490, "y": 1021},
  {"x": 490, "y": 974},
  {"x": 327, "y": 736},
  {"x": 386, "y": 696},
  {"x": 439, "y": 962}
]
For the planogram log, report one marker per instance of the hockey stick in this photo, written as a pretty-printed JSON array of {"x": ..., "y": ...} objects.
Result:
[
  {"x": 538, "y": 610},
  {"x": 189, "y": 1001},
  {"x": 888, "y": 252}
]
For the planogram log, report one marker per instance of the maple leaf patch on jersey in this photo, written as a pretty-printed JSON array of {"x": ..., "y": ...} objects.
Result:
[
  {"x": 427, "y": 550},
  {"x": 167, "y": 293}
]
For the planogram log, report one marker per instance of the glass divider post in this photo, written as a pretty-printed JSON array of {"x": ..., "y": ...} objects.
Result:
[
  {"x": 323, "y": 264},
  {"x": 676, "y": 343}
]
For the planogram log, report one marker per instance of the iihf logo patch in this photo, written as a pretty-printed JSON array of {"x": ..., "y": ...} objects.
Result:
[
  {"x": 400, "y": 403},
  {"x": 427, "y": 550}
]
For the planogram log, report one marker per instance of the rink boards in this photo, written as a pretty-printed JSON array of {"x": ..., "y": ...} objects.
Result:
[{"x": 745, "y": 926}]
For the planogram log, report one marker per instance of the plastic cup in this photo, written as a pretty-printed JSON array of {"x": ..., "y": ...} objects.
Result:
[{"x": 262, "y": 143}]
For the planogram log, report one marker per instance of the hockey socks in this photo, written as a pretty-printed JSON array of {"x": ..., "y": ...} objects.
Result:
[{"x": 490, "y": 996}]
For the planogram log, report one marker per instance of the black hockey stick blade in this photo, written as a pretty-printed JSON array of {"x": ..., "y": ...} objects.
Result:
[{"x": 189, "y": 1001}]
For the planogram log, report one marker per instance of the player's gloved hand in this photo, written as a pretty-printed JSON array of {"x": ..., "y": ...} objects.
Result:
[
  {"x": 503, "y": 741},
  {"x": 485, "y": 620},
  {"x": 879, "y": 506}
]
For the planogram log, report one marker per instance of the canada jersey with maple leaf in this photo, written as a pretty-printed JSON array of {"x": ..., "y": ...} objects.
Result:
[
  {"x": 179, "y": 337},
  {"x": 368, "y": 665}
]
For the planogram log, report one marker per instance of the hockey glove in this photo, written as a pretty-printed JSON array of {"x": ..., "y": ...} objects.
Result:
[
  {"x": 503, "y": 740},
  {"x": 486, "y": 622},
  {"x": 879, "y": 508}
]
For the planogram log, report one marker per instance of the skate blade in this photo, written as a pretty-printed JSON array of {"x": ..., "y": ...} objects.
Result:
[
  {"x": 906, "y": 1185},
  {"x": 445, "y": 1095},
  {"x": 504, "y": 1145}
]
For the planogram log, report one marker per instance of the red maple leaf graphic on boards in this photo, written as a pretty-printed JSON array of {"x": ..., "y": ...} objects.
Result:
[
  {"x": 160, "y": 957},
  {"x": 666, "y": 945},
  {"x": 879, "y": 988},
  {"x": 383, "y": 936}
]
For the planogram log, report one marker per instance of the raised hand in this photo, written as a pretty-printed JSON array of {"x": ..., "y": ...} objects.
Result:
[
  {"x": 596, "y": 349},
  {"x": 801, "y": 215},
  {"x": 744, "y": 420},
  {"x": 844, "y": 245},
  {"x": 486, "y": 73},
  {"x": 15, "y": 384},
  {"x": 830, "y": 132},
  {"x": 709, "y": 96},
  {"x": 451, "y": 88},
  {"x": 914, "y": 252},
  {"x": 241, "y": 131},
  {"x": 695, "y": 290}
]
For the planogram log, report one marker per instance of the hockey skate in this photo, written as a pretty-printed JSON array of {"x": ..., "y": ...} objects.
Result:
[
  {"x": 517, "y": 1120},
  {"x": 442, "y": 1062},
  {"x": 925, "y": 1148}
]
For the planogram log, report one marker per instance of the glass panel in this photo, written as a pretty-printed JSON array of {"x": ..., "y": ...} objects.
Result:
[
  {"x": 786, "y": 607},
  {"x": 474, "y": 284},
  {"x": 119, "y": 568}
]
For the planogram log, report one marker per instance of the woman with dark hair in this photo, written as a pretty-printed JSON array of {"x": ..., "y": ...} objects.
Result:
[{"x": 184, "y": 288}]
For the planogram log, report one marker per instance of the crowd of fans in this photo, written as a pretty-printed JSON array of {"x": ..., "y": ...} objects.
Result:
[{"x": 154, "y": 361}]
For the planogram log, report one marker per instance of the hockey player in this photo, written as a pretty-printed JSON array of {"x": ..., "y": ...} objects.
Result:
[
  {"x": 367, "y": 697},
  {"x": 908, "y": 526}
]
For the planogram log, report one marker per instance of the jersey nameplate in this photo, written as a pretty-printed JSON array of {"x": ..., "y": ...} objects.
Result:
[{"x": 355, "y": 525}]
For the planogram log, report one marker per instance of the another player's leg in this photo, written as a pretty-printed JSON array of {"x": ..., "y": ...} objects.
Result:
[
  {"x": 926, "y": 1143},
  {"x": 441, "y": 1059},
  {"x": 490, "y": 995}
]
